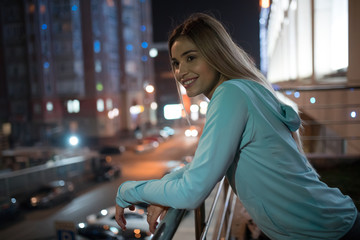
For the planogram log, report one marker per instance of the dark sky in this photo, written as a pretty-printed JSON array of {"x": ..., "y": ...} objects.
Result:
[{"x": 240, "y": 17}]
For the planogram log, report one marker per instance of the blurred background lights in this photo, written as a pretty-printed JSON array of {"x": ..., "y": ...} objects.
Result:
[
  {"x": 353, "y": 114},
  {"x": 265, "y": 3},
  {"x": 153, "y": 106},
  {"x": 172, "y": 111},
  {"x": 149, "y": 88},
  {"x": 99, "y": 87},
  {"x": 203, "y": 107},
  {"x": 296, "y": 94},
  {"x": 73, "y": 140},
  {"x": 194, "y": 109},
  {"x": 312, "y": 100},
  {"x": 81, "y": 225},
  {"x": 136, "y": 109},
  {"x": 153, "y": 52},
  {"x": 44, "y": 26},
  {"x": 97, "y": 46},
  {"x": 74, "y": 8},
  {"x": 144, "y": 58},
  {"x": 49, "y": 106},
  {"x": 144, "y": 44},
  {"x": 129, "y": 47}
]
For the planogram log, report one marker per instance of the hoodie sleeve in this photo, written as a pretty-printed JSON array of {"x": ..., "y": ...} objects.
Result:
[{"x": 226, "y": 119}]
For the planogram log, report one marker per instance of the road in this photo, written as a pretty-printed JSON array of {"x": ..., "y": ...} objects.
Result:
[{"x": 39, "y": 224}]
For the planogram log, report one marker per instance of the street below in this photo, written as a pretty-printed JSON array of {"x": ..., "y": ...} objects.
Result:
[{"x": 40, "y": 223}]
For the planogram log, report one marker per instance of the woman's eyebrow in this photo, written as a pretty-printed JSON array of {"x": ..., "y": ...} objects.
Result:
[{"x": 184, "y": 53}]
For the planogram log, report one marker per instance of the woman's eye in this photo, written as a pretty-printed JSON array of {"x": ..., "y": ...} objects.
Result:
[
  {"x": 175, "y": 64},
  {"x": 190, "y": 58}
]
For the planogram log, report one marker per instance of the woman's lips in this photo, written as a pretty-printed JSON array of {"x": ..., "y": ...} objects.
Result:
[{"x": 188, "y": 82}]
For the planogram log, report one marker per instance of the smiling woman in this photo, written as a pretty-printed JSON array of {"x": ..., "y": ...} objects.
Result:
[
  {"x": 251, "y": 137},
  {"x": 192, "y": 70}
]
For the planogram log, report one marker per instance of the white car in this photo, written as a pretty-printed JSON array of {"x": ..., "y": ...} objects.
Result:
[{"x": 134, "y": 219}]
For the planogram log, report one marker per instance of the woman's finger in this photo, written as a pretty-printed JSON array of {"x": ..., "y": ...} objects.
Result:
[
  {"x": 119, "y": 217},
  {"x": 152, "y": 220}
]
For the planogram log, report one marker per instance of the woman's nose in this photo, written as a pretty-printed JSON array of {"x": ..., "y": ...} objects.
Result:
[{"x": 182, "y": 71}]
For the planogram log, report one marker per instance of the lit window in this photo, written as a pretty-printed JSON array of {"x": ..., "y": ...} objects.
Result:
[
  {"x": 97, "y": 46},
  {"x": 73, "y": 106},
  {"x": 144, "y": 58},
  {"x": 129, "y": 47},
  {"x": 49, "y": 106},
  {"x": 100, "y": 105},
  {"x": 98, "y": 67},
  {"x": 144, "y": 44},
  {"x": 99, "y": 87},
  {"x": 32, "y": 8},
  {"x": 109, "y": 104},
  {"x": 42, "y": 8},
  {"x": 353, "y": 114}
]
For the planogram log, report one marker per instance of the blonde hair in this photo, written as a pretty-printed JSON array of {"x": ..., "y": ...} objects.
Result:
[{"x": 221, "y": 52}]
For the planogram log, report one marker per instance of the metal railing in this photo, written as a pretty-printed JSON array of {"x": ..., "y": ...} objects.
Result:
[{"x": 171, "y": 221}]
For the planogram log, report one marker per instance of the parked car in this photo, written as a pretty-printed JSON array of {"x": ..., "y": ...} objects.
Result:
[
  {"x": 111, "y": 150},
  {"x": 106, "y": 232},
  {"x": 106, "y": 170},
  {"x": 192, "y": 131},
  {"x": 167, "y": 131},
  {"x": 9, "y": 210},
  {"x": 51, "y": 194},
  {"x": 146, "y": 145},
  {"x": 97, "y": 231},
  {"x": 135, "y": 219}
]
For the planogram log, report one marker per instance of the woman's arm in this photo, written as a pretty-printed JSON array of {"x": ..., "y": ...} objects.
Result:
[{"x": 226, "y": 120}]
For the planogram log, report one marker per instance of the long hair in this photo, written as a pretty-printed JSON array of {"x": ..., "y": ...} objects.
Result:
[
  {"x": 218, "y": 48},
  {"x": 221, "y": 52}
]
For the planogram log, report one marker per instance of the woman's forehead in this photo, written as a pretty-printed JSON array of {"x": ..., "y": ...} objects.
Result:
[{"x": 182, "y": 45}]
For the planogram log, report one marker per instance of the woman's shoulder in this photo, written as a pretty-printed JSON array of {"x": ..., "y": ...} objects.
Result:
[
  {"x": 232, "y": 91},
  {"x": 238, "y": 86}
]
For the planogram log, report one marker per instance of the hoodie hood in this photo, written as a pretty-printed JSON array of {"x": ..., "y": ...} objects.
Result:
[
  {"x": 266, "y": 99},
  {"x": 289, "y": 117}
]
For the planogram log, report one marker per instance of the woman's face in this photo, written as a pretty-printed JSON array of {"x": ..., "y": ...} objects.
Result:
[{"x": 191, "y": 69}]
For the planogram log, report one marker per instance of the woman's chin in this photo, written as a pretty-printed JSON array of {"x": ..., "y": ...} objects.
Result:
[{"x": 191, "y": 94}]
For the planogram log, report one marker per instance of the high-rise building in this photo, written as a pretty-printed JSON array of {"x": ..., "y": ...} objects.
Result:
[{"x": 73, "y": 66}]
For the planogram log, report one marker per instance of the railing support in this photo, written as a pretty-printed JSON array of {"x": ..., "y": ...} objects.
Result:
[{"x": 199, "y": 220}]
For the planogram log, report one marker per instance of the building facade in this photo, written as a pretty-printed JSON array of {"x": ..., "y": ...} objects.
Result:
[
  {"x": 310, "y": 52},
  {"x": 73, "y": 67}
]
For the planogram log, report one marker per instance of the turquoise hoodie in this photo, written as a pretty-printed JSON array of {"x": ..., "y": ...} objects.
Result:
[{"x": 247, "y": 137}]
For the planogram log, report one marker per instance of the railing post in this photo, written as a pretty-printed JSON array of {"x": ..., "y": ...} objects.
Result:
[{"x": 199, "y": 220}]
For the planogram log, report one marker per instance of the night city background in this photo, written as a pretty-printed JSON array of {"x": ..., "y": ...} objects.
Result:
[{"x": 87, "y": 100}]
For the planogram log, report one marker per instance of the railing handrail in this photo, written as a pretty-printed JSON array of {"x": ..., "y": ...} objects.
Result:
[
  {"x": 171, "y": 221},
  {"x": 316, "y": 88},
  {"x": 169, "y": 224}
]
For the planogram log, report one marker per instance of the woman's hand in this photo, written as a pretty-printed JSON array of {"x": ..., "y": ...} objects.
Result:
[
  {"x": 119, "y": 216},
  {"x": 153, "y": 213}
]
